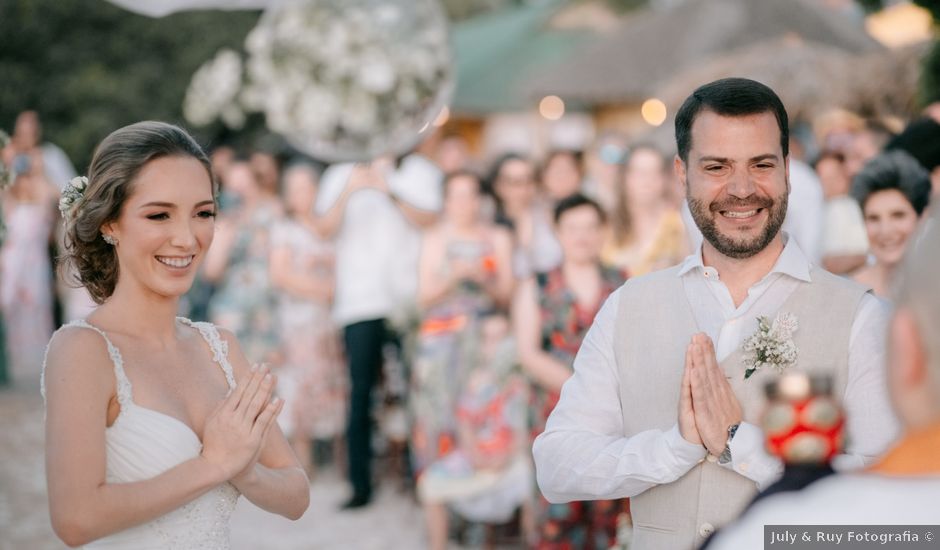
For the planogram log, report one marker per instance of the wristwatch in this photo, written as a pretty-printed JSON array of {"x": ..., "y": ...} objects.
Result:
[{"x": 725, "y": 456}]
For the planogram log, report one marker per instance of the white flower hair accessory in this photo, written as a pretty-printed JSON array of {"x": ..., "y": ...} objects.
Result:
[
  {"x": 72, "y": 193},
  {"x": 772, "y": 345},
  {"x": 6, "y": 175},
  {"x": 6, "y": 178}
]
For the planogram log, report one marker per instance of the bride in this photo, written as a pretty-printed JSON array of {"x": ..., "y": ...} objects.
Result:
[{"x": 149, "y": 439}]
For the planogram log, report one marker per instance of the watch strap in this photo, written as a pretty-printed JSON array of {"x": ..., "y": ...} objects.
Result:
[{"x": 725, "y": 456}]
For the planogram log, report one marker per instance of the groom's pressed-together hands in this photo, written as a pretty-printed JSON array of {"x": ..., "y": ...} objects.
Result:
[{"x": 707, "y": 404}]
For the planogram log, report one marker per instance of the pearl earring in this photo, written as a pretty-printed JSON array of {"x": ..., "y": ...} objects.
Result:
[{"x": 109, "y": 239}]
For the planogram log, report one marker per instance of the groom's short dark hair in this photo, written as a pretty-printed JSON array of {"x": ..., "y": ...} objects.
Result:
[{"x": 730, "y": 97}]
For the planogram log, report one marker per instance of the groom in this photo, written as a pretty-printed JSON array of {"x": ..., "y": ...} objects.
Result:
[{"x": 659, "y": 408}]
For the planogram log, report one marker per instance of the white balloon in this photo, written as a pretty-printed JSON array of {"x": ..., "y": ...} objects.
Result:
[
  {"x": 374, "y": 77},
  {"x": 161, "y": 8},
  {"x": 340, "y": 79}
]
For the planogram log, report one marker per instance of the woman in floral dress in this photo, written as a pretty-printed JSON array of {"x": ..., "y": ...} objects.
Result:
[
  {"x": 487, "y": 475},
  {"x": 238, "y": 264},
  {"x": 465, "y": 269},
  {"x": 552, "y": 313},
  {"x": 311, "y": 379}
]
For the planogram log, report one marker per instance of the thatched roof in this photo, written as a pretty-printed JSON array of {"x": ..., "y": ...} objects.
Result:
[
  {"x": 808, "y": 77},
  {"x": 886, "y": 83},
  {"x": 810, "y": 80},
  {"x": 653, "y": 46}
]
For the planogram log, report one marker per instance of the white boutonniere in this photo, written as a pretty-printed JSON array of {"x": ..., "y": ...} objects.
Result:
[{"x": 772, "y": 345}]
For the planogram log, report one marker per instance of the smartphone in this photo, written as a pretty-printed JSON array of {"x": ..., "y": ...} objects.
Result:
[{"x": 21, "y": 164}]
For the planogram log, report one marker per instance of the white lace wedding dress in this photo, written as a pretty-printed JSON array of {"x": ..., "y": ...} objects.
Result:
[{"x": 143, "y": 443}]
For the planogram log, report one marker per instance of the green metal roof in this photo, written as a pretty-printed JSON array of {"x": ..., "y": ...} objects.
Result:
[{"x": 496, "y": 52}]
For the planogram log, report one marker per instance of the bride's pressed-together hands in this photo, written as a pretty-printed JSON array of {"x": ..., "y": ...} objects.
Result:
[{"x": 236, "y": 429}]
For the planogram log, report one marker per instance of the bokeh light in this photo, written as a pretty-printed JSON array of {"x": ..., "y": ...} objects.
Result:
[
  {"x": 442, "y": 117},
  {"x": 552, "y": 107},
  {"x": 653, "y": 111}
]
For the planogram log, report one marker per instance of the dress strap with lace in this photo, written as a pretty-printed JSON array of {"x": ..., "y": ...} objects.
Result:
[
  {"x": 218, "y": 346},
  {"x": 124, "y": 392},
  {"x": 208, "y": 331}
]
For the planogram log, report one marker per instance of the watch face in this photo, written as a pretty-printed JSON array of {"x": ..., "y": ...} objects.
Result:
[{"x": 725, "y": 456}]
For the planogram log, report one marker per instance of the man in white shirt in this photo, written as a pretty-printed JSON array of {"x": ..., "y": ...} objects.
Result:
[
  {"x": 659, "y": 408},
  {"x": 902, "y": 488},
  {"x": 374, "y": 213}
]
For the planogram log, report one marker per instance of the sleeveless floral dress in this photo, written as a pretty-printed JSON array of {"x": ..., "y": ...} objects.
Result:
[
  {"x": 441, "y": 359},
  {"x": 573, "y": 525}
]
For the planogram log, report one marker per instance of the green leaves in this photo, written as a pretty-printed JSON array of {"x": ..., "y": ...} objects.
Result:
[{"x": 89, "y": 68}]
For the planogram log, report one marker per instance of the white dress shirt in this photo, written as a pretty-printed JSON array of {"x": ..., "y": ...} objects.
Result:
[
  {"x": 845, "y": 232},
  {"x": 583, "y": 454},
  {"x": 851, "y": 499}
]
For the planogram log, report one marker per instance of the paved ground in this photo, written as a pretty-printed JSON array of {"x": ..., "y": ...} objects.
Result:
[
  {"x": 392, "y": 522},
  {"x": 24, "y": 516}
]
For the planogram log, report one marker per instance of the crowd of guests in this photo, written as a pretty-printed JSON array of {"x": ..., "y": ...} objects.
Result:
[{"x": 443, "y": 299}]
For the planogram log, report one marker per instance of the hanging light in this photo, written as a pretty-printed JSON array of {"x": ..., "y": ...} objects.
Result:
[
  {"x": 442, "y": 117},
  {"x": 552, "y": 107},
  {"x": 653, "y": 111}
]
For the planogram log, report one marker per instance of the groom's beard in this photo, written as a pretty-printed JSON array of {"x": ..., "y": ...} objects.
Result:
[{"x": 738, "y": 248}]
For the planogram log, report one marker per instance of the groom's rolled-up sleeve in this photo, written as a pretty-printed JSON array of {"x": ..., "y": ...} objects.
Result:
[
  {"x": 583, "y": 453},
  {"x": 750, "y": 458}
]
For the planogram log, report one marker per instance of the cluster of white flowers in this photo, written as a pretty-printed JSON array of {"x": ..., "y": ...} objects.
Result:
[
  {"x": 6, "y": 179},
  {"x": 346, "y": 79},
  {"x": 213, "y": 91},
  {"x": 772, "y": 345},
  {"x": 73, "y": 192},
  {"x": 6, "y": 174}
]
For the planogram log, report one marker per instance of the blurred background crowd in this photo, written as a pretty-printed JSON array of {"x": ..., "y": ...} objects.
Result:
[
  {"x": 497, "y": 272},
  {"x": 469, "y": 268}
]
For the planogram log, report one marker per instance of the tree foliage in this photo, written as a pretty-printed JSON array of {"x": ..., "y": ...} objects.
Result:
[
  {"x": 930, "y": 77},
  {"x": 871, "y": 6},
  {"x": 933, "y": 6},
  {"x": 89, "y": 67}
]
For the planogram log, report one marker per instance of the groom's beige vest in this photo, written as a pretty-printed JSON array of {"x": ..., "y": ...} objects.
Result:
[{"x": 654, "y": 325}]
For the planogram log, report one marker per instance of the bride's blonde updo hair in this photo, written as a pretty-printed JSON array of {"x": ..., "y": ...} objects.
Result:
[{"x": 88, "y": 259}]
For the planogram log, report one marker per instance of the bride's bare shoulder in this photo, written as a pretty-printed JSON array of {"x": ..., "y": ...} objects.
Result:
[{"x": 75, "y": 352}]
